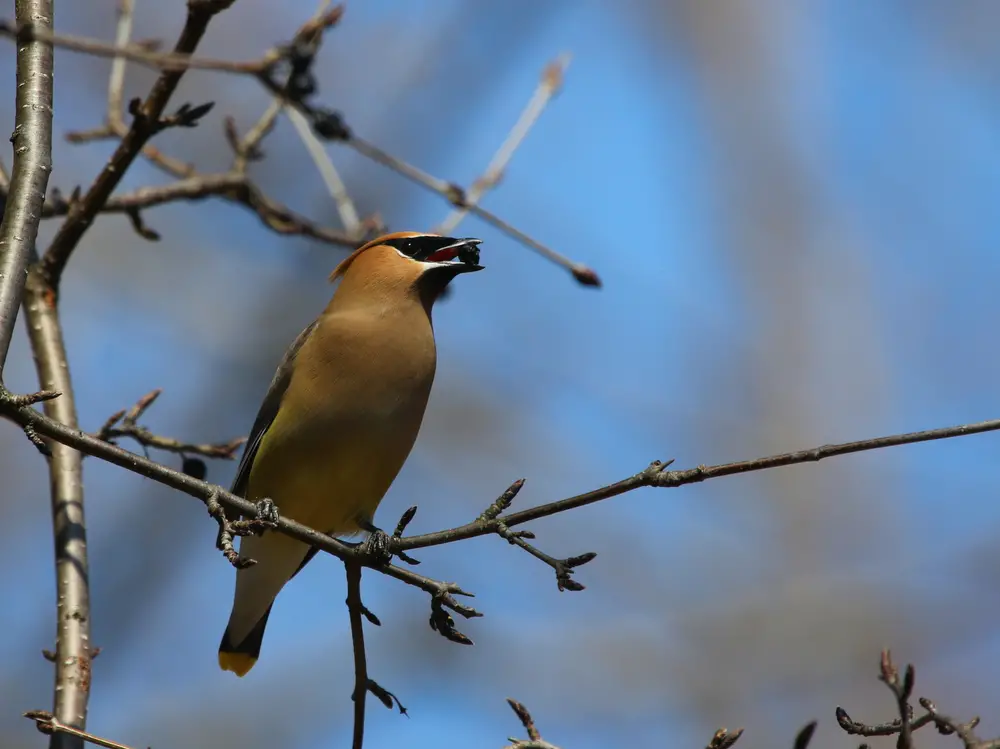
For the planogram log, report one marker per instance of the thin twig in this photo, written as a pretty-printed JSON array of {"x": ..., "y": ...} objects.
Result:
[
  {"x": 116, "y": 81},
  {"x": 355, "y": 607},
  {"x": 535, "y": 740},
  {"x": 232, "y": 186},
  {"x": 455, "y": 195},
  {"x": 115, "y": 125},
  {"x": 906, "y": 724},
  {"x": 46, "y": 723},
  {"x": 562, "y": 567},
  {"x": 179, "y": 60},
  {"x": 549, "y": 85},
  {"x": 125, "y": 424},
  {"x": 331, "y": 178},
  {"x": 657, "y": 475},
  {"x": 32, "y": 139},
  {"x": 723, "y": 739},
  {"x": 146, "y": 121},
  {"x": 964, "y": 730},
  {"x": 323, "y": 122},
  {"x": 902, "y": 690},
  {"x": 334, "y": 184}
]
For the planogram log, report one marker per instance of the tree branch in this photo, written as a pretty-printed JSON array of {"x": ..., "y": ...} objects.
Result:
[
  {"x": 73, "y": 616},
  {"x": 657, "y": 475},
  {"x": 549, "y": 85},
  {"x": 327, "y": 124},
  {"x": 47, "y": 723},
  {"x": 18, "y": 409},
  {"x": 32, "y": 139},
  {"x": 146, "y": 121},
  {"x": 906, "y": 725},
  {"x": 534, "y": 736},
  {"x": 355, "y": 608},
  {"x": 125, "y": 424}
]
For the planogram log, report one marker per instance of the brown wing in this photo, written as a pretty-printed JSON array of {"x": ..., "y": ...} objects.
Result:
[{"x": 268, "y": 410}]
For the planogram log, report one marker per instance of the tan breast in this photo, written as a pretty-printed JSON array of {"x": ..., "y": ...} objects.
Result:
[{"x": 349, "y": 418}]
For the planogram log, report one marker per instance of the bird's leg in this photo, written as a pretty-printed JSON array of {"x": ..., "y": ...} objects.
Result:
[
  {"x": 265, "y": 518},
  {"x": 376, "y": 546}
]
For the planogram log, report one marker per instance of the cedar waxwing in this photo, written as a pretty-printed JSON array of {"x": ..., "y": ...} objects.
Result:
[{"x": 341, "y": 414}]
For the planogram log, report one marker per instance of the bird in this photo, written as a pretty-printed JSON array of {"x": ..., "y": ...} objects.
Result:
[{"x": 341, "y": 415}]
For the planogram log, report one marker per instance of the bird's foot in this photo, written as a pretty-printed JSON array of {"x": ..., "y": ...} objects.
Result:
[
  {"x": 265, "y": 518},
  {"x": 267, "y": 511},
  {"x": 377, "y": 546}
]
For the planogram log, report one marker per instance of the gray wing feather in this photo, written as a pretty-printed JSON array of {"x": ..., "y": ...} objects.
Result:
[{"x": 268, "y": 410}]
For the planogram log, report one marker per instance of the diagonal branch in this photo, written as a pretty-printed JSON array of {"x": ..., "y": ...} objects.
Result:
[
  {"x": 548, "y": 87},
  {"x": 232, "y": 186},
  {"x": 535, "y": 740},
  {"x": 327, "y": 124},
  {"x": 18, "y": 409},
  {"x": 124, "y": 424},
  {"x": 32, "y": 139},
  {"x": 144, "y": 124}
]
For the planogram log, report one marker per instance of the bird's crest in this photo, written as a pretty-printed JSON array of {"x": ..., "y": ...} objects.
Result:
[{"x": 341, "y": 269}]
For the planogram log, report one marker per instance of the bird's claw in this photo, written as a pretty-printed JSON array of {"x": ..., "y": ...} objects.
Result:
[
  {"x": 376, "y": 548},
  {"x": 267, "y": 511}
]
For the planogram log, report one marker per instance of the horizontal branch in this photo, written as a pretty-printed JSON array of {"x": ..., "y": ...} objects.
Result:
[
  {"x": 48, "y": 724},
  {"x": 232, "y": 186},
  {"x": 657, "y": 475},
  {"x": 143, "y": 55}
]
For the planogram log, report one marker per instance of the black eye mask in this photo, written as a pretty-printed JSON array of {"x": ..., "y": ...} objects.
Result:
[{"x": 437, "y": 249}]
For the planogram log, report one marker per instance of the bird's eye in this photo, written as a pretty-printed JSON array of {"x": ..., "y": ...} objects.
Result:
[{"x": 420, "y": 248}]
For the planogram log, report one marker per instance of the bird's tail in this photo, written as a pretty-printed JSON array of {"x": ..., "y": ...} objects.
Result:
[{"x": 240, "y": 657}]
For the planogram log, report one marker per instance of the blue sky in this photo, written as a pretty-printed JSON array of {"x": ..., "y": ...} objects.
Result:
[{"x": 792, "y": 213}]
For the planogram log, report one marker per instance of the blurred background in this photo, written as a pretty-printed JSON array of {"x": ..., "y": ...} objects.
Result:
[{"x": 792, "y": 207}]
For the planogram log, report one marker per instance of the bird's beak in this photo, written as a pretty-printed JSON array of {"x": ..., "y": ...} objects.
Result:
[{"x": 462, "y": 256}]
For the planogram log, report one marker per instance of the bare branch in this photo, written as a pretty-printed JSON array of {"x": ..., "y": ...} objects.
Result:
[
  {"x": 905, "y": 725},
  {"x": 457, "y": 197},
  {"x": 534, "y": 737},
  {"x": 331, "y": 178},
  {"x": 13, "y": 407},
  {"x": 47, "y": 723},
  {"x": 657, "y": 475},
  {"x": 32, "y": 139},
  {"x": 723, "y": 739},
  {"x": 180, "y": 60},
  {"x": 355, "y": 608},
  {"x": 549, "y": 85},
  {"x": 144, "y": 125},
  {"x": 327, "y": 124},
  {"x": 231, "y": 186},
  {"x": 116, "y": 81},
  {"x": 902, "y": 690},
  {"x": 73, "y": 616},
  {"x": 124, "y": 424}
]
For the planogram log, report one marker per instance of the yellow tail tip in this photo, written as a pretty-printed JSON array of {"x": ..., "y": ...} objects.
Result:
[{"x": 238, "y": 663}]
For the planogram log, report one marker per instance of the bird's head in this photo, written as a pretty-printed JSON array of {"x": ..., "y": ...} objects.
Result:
[{"x": 421, "y": 263}]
